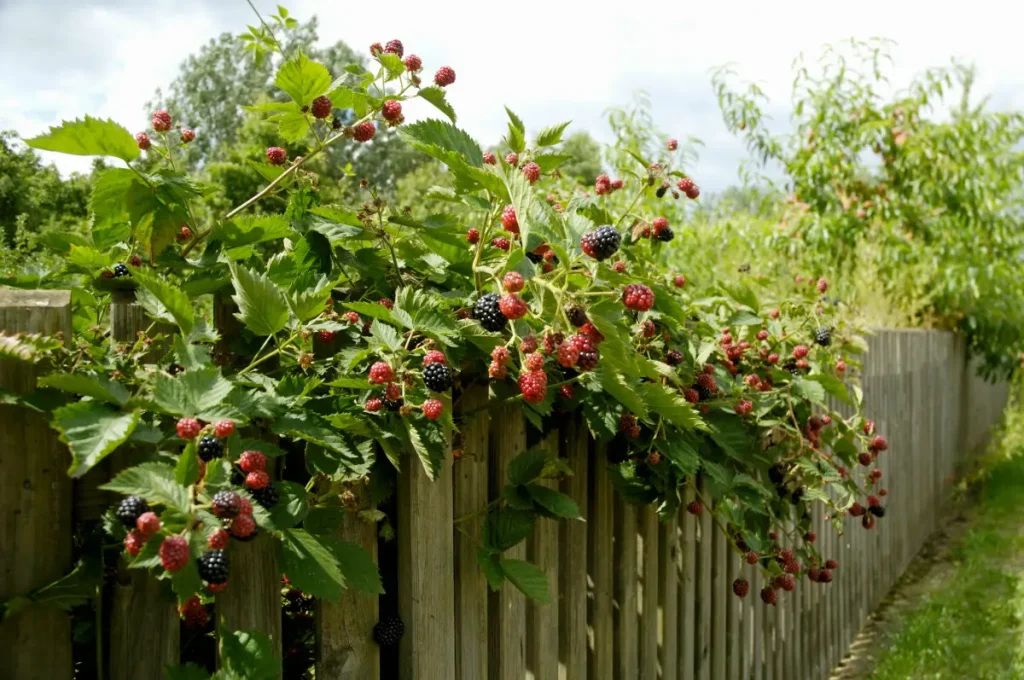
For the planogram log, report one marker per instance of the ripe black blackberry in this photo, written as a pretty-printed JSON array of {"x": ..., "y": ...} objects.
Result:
[
  {"x": 437, "y": 377},
  {"x": 130, "y": 509},
  {"x": 877, "y": 510},
  {"x": 703, "y": 392},
  {"x": 388, "y": 631},
  {"x": 673, "y": 357},
  {"x": 488, "y": 313},
  {"x": 777, "y": 474},
  {"x": 213, "y": 566},
  {"x": 601, "y": 243},
  {"x": 267, "y": 496},
  {"x": 797, "y": 495},
  {"x": 743, "y": 268},
  {"x": 210, "y": 447},
  {"x": 823, "y": 337},
  {"x": 577, "y": 317},
  {"x": 660, "y": 193},
  {"x": 121, "y": 270},
  {"x": 175, "y": 369},
  {"x": 393, "y": 405},
  {"x": 665, "y": 234},
  {"x": 227, "y": 504}
]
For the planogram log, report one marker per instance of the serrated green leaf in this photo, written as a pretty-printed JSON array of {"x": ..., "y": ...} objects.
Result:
[
  {"x": 171, "y": 298},
  {"x": 153, "y": 481},
  {"x": 95, "y": 386},
  {"x": 194, "y": 393},
  {"x": 550, "y": 161},
  {"x": 262, "y": 307},
  {"x": 344, "y": 459},
  {"x": 435, "y": 95},
  {"x": 743, "y": 317},
  {"x": 505, "y": 528},
  {"x": 614, "y": 383},
  {"x": 555, "y": 502},
  {"x": 73, "y": 589},
  {"x": 357, "y": 566},
  {"x": 834, "y": 386},
  {"x": 527, "y": 466},
  {"x": 428, "y": 135},
  {"x": 515, "y": 139},
  {"x": 302, "y": 79},
  {"x": 682, "y": 454},
  {"x": 92, "y": 430},
  {"x": 243, "y": 231},
  {"x": 491, "y": 567},
  {"x": 550, "y": 136},
  {"x": 89, "y": 137},
  {"x": 385, "y": 335},
  {"x": 809, "y": 389},
  {"x": 186, "y": 581},
  {"x": 190, "y": 355},
  {"x": 528, "y": 578},
  {"x": 429, "y": 444},
  {"x": 186, "y": 471},
  {"x": 309, "y": 564},
  {"x": 108, "y": 201},
  {"x": 290, "y": 509},
  {"x": 669, "y": 404},
  {"x": 730, "y": 433},
  {"x": 249, "y": 654}
]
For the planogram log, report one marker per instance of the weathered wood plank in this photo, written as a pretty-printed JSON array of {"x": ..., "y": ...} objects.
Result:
[
  {"x": 600, "y": 543},
  {"x": 573, "y": 558},
  {"x": 627, "y": 655},
  {"x": 542, "y": 631},
  {"x": 649, "y": 617},
  {"x": 668, "y": 587}
]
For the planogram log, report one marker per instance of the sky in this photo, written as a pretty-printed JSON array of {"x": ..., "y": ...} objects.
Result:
[{"x": 548, "y": 60}]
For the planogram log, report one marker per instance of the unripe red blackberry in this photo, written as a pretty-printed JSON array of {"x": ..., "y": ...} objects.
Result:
[
  {"x": 133, "y": 542},
  {"x": 501, "y": 243},
  {"x": 687, "y": 186},
  {"x": 391, "y": 110},
  {"x": 810, "y": 537},
  {"x": 509, "y": 219},
  {"x": 392, "y": 392},
  {"x": 857, "y": 510},
  {"x": 413, "y": 63},
  {"x": 768, "y": 595},
  {"x": 432, "y": 409},
  {"x": 679, "y": 281},
  {"x": 219, "y": 539},
  {"x": 148, "y": 524},
  {"x": 512, "y": 306},
  {"x": 879, "y": 443},
  {"x": 825, "y": 576},
  {"x": 831, "y": 564},
  {"x": 822, "y": 285},
  {"x": 533, "y": 386},
  {"x": 840, "y": 366},
  {"x": 376, "y": 49},
  {"x": 162, "y": 121},
  {"x": 800, "y": 351},
  {"x": 434, "y": 357},
  {"x": 691, "y": 395},
  {"x": 188, "y": 428},
  {"x": 224, "y": 429},
  {"x": 743, "y": 407},
  {"x": 500, "y": 354},
  {"x": 752, "y": 557},
  {"x": 638, "y": 297},
  {"x": 243, "y": 526},
  {"x": 321, "y": 107},
  {"x": 227, "y": 504},
  {"x": 533, "y": 362},
  {"x": 740, "y": 587},
  {"x": 672, "y": 145},
  {"x": 694, "y": 507},
  {"x": 257, "y": 479},
  {"x": 394, "y": 47},
  {"x": 381, "y": 372},
  {"x": 532, "y": 172},
  {"x": 364, "y": 132},
  {"x": 187, "y": 136},
  {"x": 490, "y": 158},
  {"x": 276, "y": 155},
  {"x": 374, "y": 404},
  {"x": 444, "y": 77},
  {"x": 143, "y": 141},
  {"x": 868, "y": 521},
  {"x": 513, "y": 282},
  {"x": 473, "y": 235},
  {"x": 174, "y": 553},
  {"x": 628, "y": 425},
  {"x": 566, "y": 392}
]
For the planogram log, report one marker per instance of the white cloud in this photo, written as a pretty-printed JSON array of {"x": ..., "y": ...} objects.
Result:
[{"x": 548, "y": 61}]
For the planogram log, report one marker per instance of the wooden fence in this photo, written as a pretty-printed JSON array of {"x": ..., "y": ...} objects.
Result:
[{"x": 633, "y": 597}]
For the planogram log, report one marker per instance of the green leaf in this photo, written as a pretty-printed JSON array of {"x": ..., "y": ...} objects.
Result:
[
  {"x": 186, "y": 472},
  {"x": 290, "y": 509},
  {"x": 261, "y": 304},
  {"x": 392, "y": 63},
  {"x": 515, "y": 139},
  {"x": 108, "y": 202},
  {"x": 304, "y": 80},
  {"x": 89, "y": 137},
  {"x": 527, "y": 466},
  {"x": 550, "y": 161},
  {"x": 429, "y": 443},
  {"x": 682, "y": 454},
  {"x": 428, "y": 135},
  {"x": 670, "y": 405},
  {"x": 73, "y": 589},
  {"x": 435, "y": 95},
  {"x": 309, "y": 564},
  {"x": 528, "y": 578},
  {"x": 811, "y": 390},
  {"x": 153, "y": 481},
  {"x": 505, "y": 528},
  {"x": 730, "y": 433},
  {"x": 386, "y": 336},
  {"x": 374, "y": 310},
  {"x": 491, "y": 566},
  {"x": 615, "y": 384},
  {"x": 357, "y": 566},
  {"x": 248, "y": 653},
  {"x": 743, "y": 317},
  {"x": 171, "y": 298},
  {"x": 555, "y": 502},
  {"x": 244, "y": 231},
  {"x": 190, "y": 355},
  {"x": 186, "y": 581},
  {"x": 193, "y": 393},
  {"x": 346, "y": 458},
  {"x": 514, "y": 120},
  {"x": 95, "y": 386},
  {"x": 189, "y": 671},
  {"x": 92, "y": 431},
  {"x": 834, "y": 386},
  {"x": 550, "y": 136}
]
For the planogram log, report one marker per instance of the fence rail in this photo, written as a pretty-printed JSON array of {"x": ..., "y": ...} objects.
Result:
[{"x": 633, "y": 597}]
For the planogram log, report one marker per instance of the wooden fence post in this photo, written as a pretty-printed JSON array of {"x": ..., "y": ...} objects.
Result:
[
  {"x": 507, "y": 607},
  {"x": 470, "y": 482},
  {"x": 426, "y": 571},
  {"x": 144, "y": 626},
  {"x": 600, "y": 520},
  {"x": 253, "y": 598},
  {"x": 573, "y": 565},
  {"x": 35, "y": 499},
  {"x": 542, "y": 633}
]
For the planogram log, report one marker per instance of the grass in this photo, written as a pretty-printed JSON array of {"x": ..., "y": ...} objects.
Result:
[{"x": 972, "y": 624}]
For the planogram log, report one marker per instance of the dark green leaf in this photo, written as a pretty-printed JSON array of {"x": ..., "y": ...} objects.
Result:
[
  {"x": 528, "y": 578},
  {"x": 290, "y": 510},
  {"x": 153, "y": 481},
  {"x": 186, "y": 472},
  {"x": 491, "y": 566},
  {"x": 527, "y": 466},
  {"x": 555, "y": 502},
  {"x": 92, "y": 430},
  {"x": 309, "y": 564},
  {"x": 357, "y": 566},
  {"x": 171, "y": 298},
  {"x": 97, "y": 387},
  {"x": 505, "y": 528},
  {"x": 261, "y": 305},
  {"x": 248, "y": 653}
]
